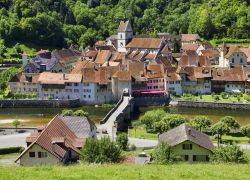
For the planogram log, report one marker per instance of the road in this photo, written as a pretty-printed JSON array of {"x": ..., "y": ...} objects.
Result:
[
  {"x": 143, "y": 143},
  {"x": 13, "y": 140}
]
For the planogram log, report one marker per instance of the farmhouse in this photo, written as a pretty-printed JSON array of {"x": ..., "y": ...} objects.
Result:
[
  {"x": 59, "y": 142},
  {"x": 190, "y": 144}
]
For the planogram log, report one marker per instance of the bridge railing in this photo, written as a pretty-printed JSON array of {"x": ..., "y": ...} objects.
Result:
[{"x": 104, "y": 120}]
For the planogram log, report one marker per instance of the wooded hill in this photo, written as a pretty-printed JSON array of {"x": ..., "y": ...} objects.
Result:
[{"x": 81, "y": 22}]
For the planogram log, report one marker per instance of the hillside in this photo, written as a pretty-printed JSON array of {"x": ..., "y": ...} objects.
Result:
[
  {"x": 81, "y": 22},
  {"x": 182, "y": 171}
]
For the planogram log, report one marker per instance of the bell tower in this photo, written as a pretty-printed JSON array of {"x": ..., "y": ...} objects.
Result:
[{"x": 125, "y": 34}]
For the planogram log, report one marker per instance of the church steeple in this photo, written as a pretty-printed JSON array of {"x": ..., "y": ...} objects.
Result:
[{"x": 125, "y": 34}]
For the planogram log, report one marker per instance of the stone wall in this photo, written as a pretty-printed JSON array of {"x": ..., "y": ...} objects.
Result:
[
  {"x": 213, "y": 105},
  {"x": 40, "y": 103},
  {"x": 151, "y": 101}
]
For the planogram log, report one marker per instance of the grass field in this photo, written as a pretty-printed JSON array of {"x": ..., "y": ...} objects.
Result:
[{"x": 178, "y": 171}]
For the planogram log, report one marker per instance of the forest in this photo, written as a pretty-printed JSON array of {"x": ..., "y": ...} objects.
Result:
[{"x": 60, "y": 23}]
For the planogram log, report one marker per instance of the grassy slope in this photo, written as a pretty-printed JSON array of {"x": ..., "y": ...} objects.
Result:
[{"x": 182, "y": 171}]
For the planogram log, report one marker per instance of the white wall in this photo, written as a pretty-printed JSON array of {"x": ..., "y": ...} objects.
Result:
[
  {"x": 25, "y": 160},
  {"x": 174, "y": 88}
]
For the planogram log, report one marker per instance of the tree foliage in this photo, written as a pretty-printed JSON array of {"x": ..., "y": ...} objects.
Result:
[
  {"x": 163, "y": 154},
  {"x": 159, "y": 121},
  {"x": 122, "y": 141},
  {"x": 228, "y": 154},
  {"x": 62, "y": 22},
  {"x": 100, "y": 151},
  {"x": 69, "y": 112},
  {"x": 246, "y": 130},
  {"x": 201, "y": 122},
  {"x": 231, "y": 122}
]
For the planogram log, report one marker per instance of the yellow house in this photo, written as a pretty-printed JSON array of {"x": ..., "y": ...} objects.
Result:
[{"x": 190, "y": 144}]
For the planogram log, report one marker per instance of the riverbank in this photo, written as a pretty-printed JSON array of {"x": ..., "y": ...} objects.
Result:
[
  {"x": 29, "y": 103},
  {"x": 201, "y": 104}
]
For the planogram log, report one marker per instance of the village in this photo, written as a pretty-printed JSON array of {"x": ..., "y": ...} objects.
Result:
[
  {"x": 121, "y": 70},
  {"x": 144, "y": 66}
]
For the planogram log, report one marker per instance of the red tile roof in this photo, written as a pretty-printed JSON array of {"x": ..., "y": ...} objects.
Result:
[
  {"x": 145, "y": 43},
  {"x": 189, "y": 37},
  {"x": 235, "y": 74},
  {"x": 56, "y": 129}
]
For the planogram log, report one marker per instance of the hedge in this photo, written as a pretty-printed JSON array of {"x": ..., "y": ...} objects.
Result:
[{"x": 11, "y": 150}]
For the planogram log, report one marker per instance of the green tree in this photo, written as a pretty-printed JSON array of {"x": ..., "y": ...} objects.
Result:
[
  {"x": 201, "y": 123},
  {"x": 163, "y": 154},
  {"x": 246, "y": 130},
  {"x": 152, "y": 116},
  {"x": 100, "y": 151},
  {"x": 67, "y": 112},
  {"x": 122, "y": 141},
  {"x": 231, "y": 122},
  {"x": 228, "y": 154},
  {"x": 80, "y": 113},
  {"x": 16, "y": 123},
  {"x": 220, "y": 128}
]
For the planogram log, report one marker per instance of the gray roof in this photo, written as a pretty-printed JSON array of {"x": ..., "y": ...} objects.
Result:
[
  {"x": 184, "y": 133},
  {"x": 81, "y": 126}
]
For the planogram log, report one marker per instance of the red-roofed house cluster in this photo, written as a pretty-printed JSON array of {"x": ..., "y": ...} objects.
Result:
[{"x": 143, "y": 65}]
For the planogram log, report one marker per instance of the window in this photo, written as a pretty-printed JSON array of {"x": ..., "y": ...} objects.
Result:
[
  {"x": 200, "y": 158},
  {"x": 89, "y": 96},
  {"x": 76, "y": 84},
  {"x": 42, "y": 154},
  {"x": 121, "y": 44},
  {"x": 241, "y": 61},
  {"x": 32, "y": 154},
  {"x": 187, "y": 146},
  {"x": 76, "y": 90},
  {"x": 233, "y": 60},
  {"x": 186, "y": 157}
]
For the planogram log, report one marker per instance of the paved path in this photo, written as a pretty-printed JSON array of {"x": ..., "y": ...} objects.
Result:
[
  {"x": 108, "y": 126},
  {"x": 143, "y": 143},
  {"x": 13, "y": 140}
]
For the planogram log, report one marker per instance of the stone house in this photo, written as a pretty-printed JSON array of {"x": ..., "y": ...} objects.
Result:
[
  {"x": 188, "y": 143},
  {"x": 58, "y": 143},
  {"x": 236, "y": 56}
]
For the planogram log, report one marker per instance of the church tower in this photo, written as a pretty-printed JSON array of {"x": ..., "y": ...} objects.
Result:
[{"x": 125, "y": 34}]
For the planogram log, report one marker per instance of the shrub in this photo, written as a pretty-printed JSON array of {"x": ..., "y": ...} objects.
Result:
[
  {"x": 163, "y": 154},
  {"x": 229, "y": 154},
  {"x": 216, "y": 98},
  {"x": 67, "y": 112},
  {"x": 11, "y": 150},
  {"x": 80, "y": 113},
  {"x": 224, "y": 95},
  {"x": 246, "y": 130},
  {"x": 16, "y": 123},
  {"x": 50, "y": 98},
  {"x": 122, "y": 141},
  {"x": 133, "y": 147},
  {"x": 100, "y": 151}
]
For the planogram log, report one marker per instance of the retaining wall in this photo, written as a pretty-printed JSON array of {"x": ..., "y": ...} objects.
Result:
[
  {"x": 213, "y": 105},
  {"x": 71, "y": 103},
  {"x": 151, "y": 101}
]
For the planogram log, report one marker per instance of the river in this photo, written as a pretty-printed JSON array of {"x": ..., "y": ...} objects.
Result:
[{"x": 41, "y": 116}]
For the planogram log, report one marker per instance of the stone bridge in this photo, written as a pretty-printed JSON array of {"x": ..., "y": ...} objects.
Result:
[{"x": 118, "y": 118}]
